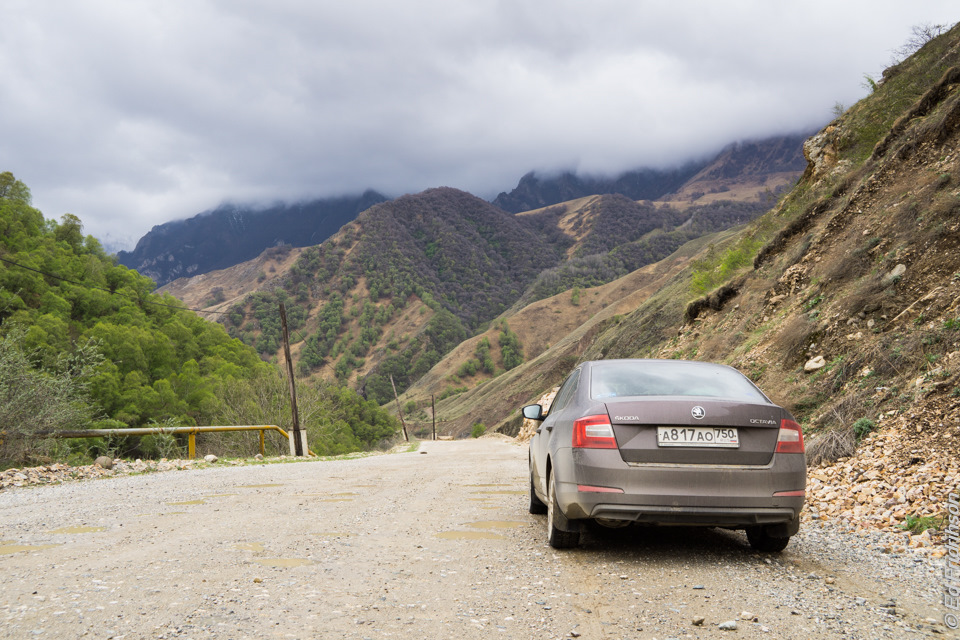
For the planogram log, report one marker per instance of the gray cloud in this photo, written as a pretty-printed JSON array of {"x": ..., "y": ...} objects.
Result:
[{"x": 132, "y": 114}]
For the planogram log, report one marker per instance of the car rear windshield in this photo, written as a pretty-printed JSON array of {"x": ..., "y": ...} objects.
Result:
[{"x": 616, "y": 379}]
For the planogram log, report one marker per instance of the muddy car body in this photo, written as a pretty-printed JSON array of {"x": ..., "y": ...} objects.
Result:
[{"x": 666, "y": 442}]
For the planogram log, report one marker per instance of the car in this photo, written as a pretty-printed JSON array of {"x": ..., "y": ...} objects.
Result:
[{"x": 666, "y": 442}]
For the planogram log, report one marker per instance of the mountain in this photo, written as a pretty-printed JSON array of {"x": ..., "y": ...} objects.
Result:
[
  {"x": 395, "y": 289},
  {"x": 408, "y": 280},
  {"x": 535, "y": 192},
  {"x": 232, "y": 234},
  {"x": 746, "y": 171},
  {"x": 741, "y": 170},
  {"x": 392, "y": 292},
  {"x": 610, "y": 236}
]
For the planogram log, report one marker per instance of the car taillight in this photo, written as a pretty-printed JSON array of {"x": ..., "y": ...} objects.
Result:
[
  {"x": 790, "y": 438},
  {"x": 593, "y": 432}
]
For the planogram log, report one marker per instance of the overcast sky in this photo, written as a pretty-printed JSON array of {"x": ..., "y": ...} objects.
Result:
[{"x": 132, "y": 113}]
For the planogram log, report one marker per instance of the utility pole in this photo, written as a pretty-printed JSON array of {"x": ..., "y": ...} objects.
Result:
[{"x": 295, "y": 434}]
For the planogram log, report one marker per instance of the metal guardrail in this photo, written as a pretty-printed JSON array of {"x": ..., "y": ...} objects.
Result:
[{"x": 190, "y": 431}]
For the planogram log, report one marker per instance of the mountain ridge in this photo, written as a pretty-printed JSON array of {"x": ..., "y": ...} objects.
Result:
[{"x": 231, "y": 234}]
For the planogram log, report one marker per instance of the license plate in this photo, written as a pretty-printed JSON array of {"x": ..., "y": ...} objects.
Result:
[{"x": 698, "y": 437}]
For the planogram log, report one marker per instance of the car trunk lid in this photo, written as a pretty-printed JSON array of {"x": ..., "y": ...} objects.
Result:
[{"x": 697, "y": 427}]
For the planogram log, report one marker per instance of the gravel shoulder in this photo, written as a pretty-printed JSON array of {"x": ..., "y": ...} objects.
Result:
[{"x": 429, "y": 544}]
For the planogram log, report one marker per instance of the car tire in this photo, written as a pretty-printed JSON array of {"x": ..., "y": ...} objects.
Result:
[
  {"x": 536, "y": 504},
  {"x": 558, "y": 534},
  {"x": 760, "y": 540}
]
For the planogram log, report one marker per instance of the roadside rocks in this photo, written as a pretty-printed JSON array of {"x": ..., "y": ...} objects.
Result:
[
  {"x": 884, "y": 487},
  {"x": 57, "y": 473},
  {"x": 895, "y": 274}
]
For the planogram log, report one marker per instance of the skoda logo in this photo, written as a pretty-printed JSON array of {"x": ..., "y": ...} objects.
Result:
[{"x": 698, "y": 412}]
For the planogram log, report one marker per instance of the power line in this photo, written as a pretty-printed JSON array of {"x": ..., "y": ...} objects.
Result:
[{"x": 114, "y": 293}]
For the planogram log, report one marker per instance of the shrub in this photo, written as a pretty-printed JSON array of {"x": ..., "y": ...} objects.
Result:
[
  {"x": 36, "y": 399},
  {"x": 863, "y": 427},
  {"x": 919, "y": 524},
  {"x": 478, "y": 430}
]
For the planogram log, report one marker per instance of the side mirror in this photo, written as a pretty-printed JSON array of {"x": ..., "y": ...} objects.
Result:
[{"x": 533, "y": 412}]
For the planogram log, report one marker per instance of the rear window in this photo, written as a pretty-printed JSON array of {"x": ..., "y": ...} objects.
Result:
[{"x": 665, "y": 378}]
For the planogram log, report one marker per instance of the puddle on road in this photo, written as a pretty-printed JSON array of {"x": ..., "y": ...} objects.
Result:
[
  {"x": 282, "y": 562},
  {"x": 470, "y": 535},
  {"x": 79, "y": 530},
  {"x": 7, "y": 549},
  {"x": 249, "y": 546},
  {"x": 495, "y": 524},
  {"x": 260, "y": 486},
  {"x": 182, "y": 502}
]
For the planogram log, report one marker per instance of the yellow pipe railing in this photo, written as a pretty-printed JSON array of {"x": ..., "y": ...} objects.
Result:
[{"x": 190, "y": 431}]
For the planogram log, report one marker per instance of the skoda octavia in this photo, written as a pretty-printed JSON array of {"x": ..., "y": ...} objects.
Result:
[{"x": 666, "y": 442}]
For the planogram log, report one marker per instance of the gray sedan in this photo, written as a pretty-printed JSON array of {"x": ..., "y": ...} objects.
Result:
[{"x": 666, "y": 442}]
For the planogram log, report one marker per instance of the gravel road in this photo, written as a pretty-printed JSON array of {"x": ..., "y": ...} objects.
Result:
[{"x": 429, "y": 544}]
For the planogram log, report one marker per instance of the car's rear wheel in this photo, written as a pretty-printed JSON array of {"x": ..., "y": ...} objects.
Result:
[
  {"x": 558, "y": 534},
  {"x": 760, "y": 540},
  {"x": 536, "y": 504}
]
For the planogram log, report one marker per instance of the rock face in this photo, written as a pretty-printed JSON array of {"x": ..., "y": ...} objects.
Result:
[
  {"x": 821, "y": 152},
  {"x": 813, "y": 364}
]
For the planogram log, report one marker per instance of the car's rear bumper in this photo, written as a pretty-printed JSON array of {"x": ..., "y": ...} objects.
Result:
[{"x": 713, "y": 495}]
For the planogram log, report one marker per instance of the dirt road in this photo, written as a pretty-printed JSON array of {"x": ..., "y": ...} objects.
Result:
[{"x": 429, "y": 544}]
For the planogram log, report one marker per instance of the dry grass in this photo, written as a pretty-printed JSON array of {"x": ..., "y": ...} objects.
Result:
[{"x": 830, "y": 446}]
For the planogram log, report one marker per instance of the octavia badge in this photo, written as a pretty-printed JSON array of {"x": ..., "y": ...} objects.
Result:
[{"x": 698, "y": 412}]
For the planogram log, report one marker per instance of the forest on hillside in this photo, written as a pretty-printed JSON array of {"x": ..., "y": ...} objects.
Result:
[{"x": 85, "y": 344}]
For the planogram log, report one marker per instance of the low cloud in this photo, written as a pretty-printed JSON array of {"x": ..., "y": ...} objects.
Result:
[{"x": 132, "y": 115}]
